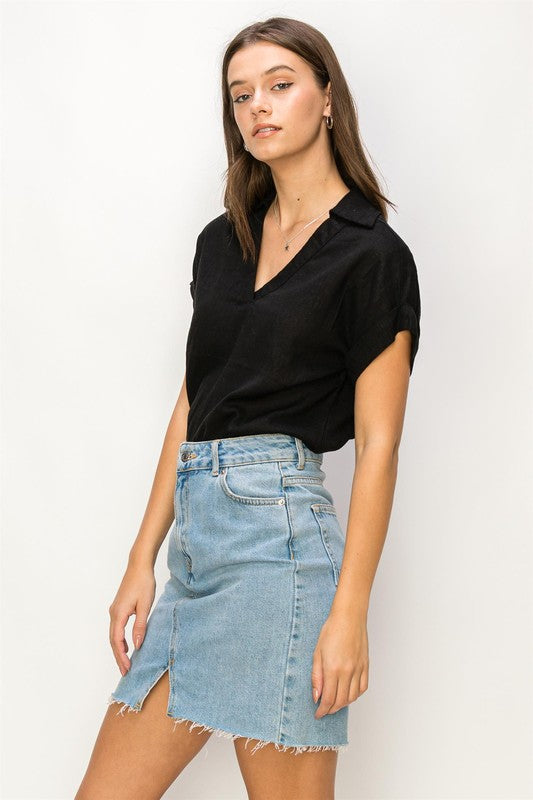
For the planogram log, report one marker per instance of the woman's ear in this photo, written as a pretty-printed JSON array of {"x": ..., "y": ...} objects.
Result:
[{"x": 327, "y": 91}]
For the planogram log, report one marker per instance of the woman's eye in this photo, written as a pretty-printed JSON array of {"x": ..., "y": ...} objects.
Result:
[{"x": 282, "y": 83}]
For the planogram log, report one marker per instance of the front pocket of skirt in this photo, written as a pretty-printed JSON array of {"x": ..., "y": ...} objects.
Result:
[
  {"x": 253, "y": 484},
  {"x": 324, "y": 513}
]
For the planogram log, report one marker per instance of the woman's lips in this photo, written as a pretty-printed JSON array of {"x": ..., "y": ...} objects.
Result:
[{"x": 264, "y": 134}]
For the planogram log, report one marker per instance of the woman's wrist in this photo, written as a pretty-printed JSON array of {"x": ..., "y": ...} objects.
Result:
[
  {"x": 351, "y": 603},
  {"x": 142, "y": 557}
]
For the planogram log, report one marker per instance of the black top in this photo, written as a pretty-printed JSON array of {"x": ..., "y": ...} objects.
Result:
[{"x": 285, "y": 359}]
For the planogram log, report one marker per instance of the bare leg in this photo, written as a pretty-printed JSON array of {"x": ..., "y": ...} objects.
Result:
[
  {"x": 138, "y": 755},
  {"x": 271, "y": 774}
]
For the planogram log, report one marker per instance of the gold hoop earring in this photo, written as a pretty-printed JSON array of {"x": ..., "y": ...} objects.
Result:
[{"x": 329, "y": 122}]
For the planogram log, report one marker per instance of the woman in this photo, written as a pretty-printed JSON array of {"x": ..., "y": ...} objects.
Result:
[{"x": 303, "y": 336}]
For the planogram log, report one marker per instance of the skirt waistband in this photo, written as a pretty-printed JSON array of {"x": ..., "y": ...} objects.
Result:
[{"x": 214, "y": 453}]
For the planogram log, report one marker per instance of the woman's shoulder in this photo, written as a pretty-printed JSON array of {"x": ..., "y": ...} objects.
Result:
[
  {"x": 215, "y": 228},
  {"x": 380, "y": 254},
  {"x": 380, "y": 238}
]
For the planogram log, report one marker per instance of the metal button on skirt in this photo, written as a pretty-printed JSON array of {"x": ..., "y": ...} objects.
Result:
[{"x": 254, "y": 555}]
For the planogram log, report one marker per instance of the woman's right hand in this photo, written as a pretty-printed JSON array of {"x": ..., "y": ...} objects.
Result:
[{"x": 135, "y": 596}]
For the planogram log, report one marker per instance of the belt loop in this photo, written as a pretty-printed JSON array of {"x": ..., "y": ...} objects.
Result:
[
  {"x": 214, "y": 454},
  {"x": 301, "y": 453}
]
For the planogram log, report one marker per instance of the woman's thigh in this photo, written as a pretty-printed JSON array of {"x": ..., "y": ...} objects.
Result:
[
  {"x": 271, "y": 774},
  {"x": 138, "y": 755}
]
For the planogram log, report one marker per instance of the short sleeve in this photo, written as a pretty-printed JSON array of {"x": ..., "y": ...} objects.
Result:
[
  {"x": 381, "y": 300},
  {"x": 195, "y": 266}
]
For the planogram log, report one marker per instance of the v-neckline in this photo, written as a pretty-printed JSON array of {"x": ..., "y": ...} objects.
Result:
[{"x": 318, "y": 238}]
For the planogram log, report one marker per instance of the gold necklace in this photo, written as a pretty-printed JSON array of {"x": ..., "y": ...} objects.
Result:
[{"x": 299, "y": 232}]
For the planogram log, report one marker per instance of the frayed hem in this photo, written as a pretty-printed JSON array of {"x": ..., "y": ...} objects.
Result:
[
  {"x": 340, "y": 748},
  {"x": 260, "y": 742},
  {"x": 125, "y": 706}
]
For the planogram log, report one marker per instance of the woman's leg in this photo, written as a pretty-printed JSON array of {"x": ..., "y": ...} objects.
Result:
[
  {"x": 271, "y": 774},
  {"x": 138, "y": 755}
]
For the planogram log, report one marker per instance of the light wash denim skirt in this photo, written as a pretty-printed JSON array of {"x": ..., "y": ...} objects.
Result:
[{"x": 254, "y": 555}]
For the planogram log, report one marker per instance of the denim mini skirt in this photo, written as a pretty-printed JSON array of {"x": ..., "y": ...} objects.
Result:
[{"x": 254, "y": 555}]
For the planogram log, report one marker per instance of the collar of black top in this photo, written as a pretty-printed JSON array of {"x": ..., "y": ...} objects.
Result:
[{"x": 353, "y": 207}]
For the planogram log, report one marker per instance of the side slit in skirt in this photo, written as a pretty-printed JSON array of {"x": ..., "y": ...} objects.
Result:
[{"x": 254, "y": 555}]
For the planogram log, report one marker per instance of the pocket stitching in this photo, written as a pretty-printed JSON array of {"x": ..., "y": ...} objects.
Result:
[
  {"x": 327, "y": 508},
  {"x": 269, "y": 501},
  {"x": 300, "y": 480}
]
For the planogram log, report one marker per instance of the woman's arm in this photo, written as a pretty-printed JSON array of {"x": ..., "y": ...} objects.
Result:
[
  {"x": 160, "y": 509},
  {"x": 136, "y": 592},
  {"x": 340, "y": 661},
  {"x": 379, "y": 409}
]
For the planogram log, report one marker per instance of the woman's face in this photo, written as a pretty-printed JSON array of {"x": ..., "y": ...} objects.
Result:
[{"x": 270, "y": 85}]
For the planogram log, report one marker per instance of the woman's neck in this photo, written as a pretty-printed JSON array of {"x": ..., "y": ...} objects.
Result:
[{"x": 299, "y": 200}]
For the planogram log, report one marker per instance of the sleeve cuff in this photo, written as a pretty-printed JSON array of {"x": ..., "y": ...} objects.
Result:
[{"x": 380, "y": 336}]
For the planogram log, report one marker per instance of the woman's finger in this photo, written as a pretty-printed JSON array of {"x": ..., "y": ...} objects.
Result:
[
  {"x": 139, "y": 626},
  {"x": 117, "y": 639},
  {"x": 329, "y": 692}
]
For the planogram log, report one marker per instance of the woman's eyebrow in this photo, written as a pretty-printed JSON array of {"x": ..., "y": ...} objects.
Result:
[{"x": 266, "y": 72}]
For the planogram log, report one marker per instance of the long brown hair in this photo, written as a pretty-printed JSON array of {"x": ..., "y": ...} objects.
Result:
[{"x": 249, "y": 180}]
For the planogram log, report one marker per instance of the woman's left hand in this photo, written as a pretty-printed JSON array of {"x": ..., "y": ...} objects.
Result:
[{"x": 340, "y": 662}]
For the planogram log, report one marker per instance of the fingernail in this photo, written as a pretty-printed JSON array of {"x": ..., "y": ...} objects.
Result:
[
  {"x": 137, "y": 639},
  {"x": 315, "y": 694}
]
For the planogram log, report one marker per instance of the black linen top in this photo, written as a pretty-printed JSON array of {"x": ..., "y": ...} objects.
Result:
[{"x": 285, "y": 359}]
